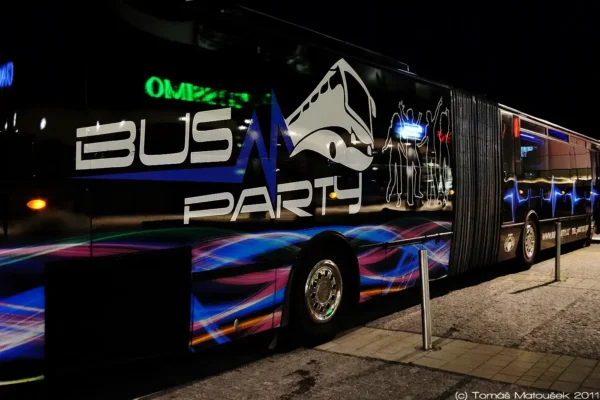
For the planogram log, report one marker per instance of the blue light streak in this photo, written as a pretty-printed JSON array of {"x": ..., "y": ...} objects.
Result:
[
  {"x": 554, "y": 193},
  {"x": 532, "y": 138},
  {"x": 6, "y": 74},
  {"x": 558, "y": 135},
  {"x": 409, "y": 131}
]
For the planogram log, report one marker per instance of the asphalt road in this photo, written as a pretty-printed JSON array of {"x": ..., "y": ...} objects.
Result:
[{"x": 314, "y": 374}]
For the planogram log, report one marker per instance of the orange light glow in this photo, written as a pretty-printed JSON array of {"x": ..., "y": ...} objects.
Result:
[
  {"x": 333, "y": 195},
  {"x": 451, "y": 192},
  {"x": 36, "y": 204},
  {"x": 516, "y": 127},
  {"x": 520, "y": 191},
  {"x": 230, "y": 329}
]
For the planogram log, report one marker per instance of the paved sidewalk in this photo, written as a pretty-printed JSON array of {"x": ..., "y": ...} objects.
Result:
[
  {"x": 525, "y": 310},
  {"x": 539, "y": 370},
  {"x": 520, "y": 328}
]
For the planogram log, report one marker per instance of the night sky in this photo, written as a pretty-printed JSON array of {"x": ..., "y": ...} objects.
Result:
[{"x": 540, "y": 60}]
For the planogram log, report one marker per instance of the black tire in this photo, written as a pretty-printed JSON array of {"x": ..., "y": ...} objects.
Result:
[
  {"x": 528, "y": 250},
  {"x": 302, "y": 319}
]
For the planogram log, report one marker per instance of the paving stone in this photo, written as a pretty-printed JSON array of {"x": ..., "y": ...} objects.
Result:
[
  {"x": 443, "y": 355},
  {"x": 326, "y": 346},
  {"x": 572, "y": 377},
  {"x": 453, "y": 366},
  {"x": 536, "y": 371},
  {"x": 585, "y": 362},
  {"x": 501, "y": 360},
  {"x": 486, "y": 371},
  {"x": 592, "y": 383},
  {"x": 564, "y": 386},
  {"x": 430, "y": 362},
  {"x": 486, "y": 349},
  {"x": 530, "y": 356},
  {"x": 524, "y": 382},
  {"x": 380, "y": 343},
  {"x": 542, "y": 384},
  {"x": 505, "y": 378},
  {"x": 563, "y": 361},
  {"x": 518, "y": 368},
  {"x": 512, "y": 352}
]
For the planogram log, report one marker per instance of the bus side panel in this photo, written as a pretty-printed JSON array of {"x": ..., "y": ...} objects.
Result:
[
  {"x": 548, "y": 177},
  {"x": 45, "y": 97},
  {"x": 242, "y": 150},
  {"x": 571, "y": 231},
  {"x": 510, "y": 237},
  {"x": 227, "y": 308}
]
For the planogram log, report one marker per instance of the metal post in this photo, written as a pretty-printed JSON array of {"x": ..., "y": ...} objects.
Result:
[
  {"x": 425, "y": 309},
  {"x": 557, "y": 259}
]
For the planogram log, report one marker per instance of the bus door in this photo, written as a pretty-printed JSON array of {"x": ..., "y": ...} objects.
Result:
[{"x": 509, "y": 144}]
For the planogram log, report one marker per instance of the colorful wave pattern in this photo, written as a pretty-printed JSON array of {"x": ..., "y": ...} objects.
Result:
[{"x": 254, "y": 299}]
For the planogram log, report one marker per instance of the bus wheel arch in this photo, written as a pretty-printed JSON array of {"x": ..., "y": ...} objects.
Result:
[{"x": 326, "y": 247}]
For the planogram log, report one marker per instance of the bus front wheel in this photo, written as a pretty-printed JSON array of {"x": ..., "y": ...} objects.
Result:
[{"x": 322, "y": 295}]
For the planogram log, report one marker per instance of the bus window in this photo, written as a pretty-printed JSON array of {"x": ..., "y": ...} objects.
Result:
[
  {"x": 560, "y": 156},
  {"x": 581, "y": 173},
  {"x": 583, "y": 162},
  {"x": 530, "y": 126},
  {"x": 534, "y": 155},
  {"x": 561, "y": 173}
]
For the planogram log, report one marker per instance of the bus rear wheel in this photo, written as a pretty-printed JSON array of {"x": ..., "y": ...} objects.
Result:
[
  {"x": 529, "y": 244},
  {"x": 322, "y": 296}
]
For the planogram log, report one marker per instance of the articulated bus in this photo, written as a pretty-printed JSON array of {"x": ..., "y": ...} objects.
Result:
[{"x": 174, "y": 181}]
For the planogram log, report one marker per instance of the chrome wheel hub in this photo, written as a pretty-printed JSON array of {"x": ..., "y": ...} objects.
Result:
[
  {"x": 529, "y": 241},
  {"x": 323, "y": 291}
]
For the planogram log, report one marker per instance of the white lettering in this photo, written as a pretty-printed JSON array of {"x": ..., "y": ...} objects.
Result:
[
  {"x": 548, "y": 235},
  {"x": 211, "y": 212},
  {"x": 259, "y": 191},
  {"x": 565, "y": 232},
  {"x": 212, "y": 135},
  {"x": 164, "y": 159},
  {"x": 324, "y": 183},
  {"x": 349, "y": 194},
  {"x": 107, "y": 146},
  {"x": 199, "y": 136},
  {"x": 544, "y": 396},
  {"x": 294, "y": 205}
]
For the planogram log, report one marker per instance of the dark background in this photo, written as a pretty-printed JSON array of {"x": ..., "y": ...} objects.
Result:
[{"x": 540, "y": 58}]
